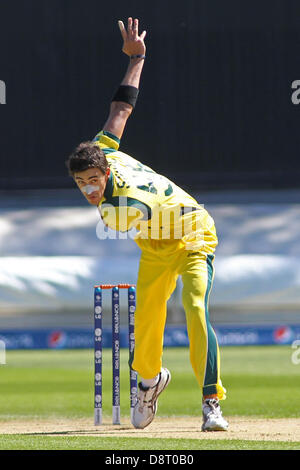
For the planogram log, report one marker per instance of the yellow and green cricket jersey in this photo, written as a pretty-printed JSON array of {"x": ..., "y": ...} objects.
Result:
[{"x": 138, "y": 197}]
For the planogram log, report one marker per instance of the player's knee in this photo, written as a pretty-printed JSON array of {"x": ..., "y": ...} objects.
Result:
[{"x": 194, "y": 312}]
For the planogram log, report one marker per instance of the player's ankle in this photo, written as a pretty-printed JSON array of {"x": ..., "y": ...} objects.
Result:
[
  {"x": 209, "y": 397},
  {"x": 149, "y": 383}
]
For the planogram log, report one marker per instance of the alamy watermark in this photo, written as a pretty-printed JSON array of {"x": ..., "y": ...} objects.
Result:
[
  {"x": 125, "y": 221},
  {"x": 296, "y": 94},
  {"x": 295, "y": 358},
  {"x": 2, "y": 92},
  {"x": 2, "y": 353}
]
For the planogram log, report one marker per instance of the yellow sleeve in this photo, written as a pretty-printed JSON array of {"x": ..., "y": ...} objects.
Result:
[{"x": 107, "y": 142}]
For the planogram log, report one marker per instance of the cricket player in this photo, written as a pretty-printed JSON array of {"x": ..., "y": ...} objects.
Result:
[{"x": 176, "y": 236}]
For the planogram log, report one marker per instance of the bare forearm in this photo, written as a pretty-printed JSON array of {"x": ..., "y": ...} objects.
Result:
[
  {"x": 133, "y": 73},
  {"x": 119, "y": 110},
  {"x": 132, "y": 78}
]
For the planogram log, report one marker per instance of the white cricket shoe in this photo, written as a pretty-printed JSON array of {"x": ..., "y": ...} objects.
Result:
[
  {"x": 146, "y": 405},
  {"x": 212, "y": 416}
]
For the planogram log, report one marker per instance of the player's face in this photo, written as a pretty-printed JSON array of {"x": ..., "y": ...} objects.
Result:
[{"x": 92, "y": 183}]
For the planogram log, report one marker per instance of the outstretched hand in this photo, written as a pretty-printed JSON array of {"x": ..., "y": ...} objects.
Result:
[{"x": 133, "y": 43}]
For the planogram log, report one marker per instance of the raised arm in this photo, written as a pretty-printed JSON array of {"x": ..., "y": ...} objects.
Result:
[{"x": 134, "y": 47}]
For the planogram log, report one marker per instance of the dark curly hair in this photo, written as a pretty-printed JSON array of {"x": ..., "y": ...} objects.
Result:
[{"x": 86, "y": 155}]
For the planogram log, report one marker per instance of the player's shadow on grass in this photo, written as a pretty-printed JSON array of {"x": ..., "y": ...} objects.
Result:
[{"x": 76, "y": 432}]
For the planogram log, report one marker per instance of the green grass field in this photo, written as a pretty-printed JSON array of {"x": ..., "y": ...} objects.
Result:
[{"x": 260, "y": 382}]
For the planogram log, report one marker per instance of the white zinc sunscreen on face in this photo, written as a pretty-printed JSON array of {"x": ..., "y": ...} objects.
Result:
[{"x": 89, "y": 189}]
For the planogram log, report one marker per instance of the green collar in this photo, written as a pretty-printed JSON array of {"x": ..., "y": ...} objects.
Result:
[{"x": 109, "y": 187}]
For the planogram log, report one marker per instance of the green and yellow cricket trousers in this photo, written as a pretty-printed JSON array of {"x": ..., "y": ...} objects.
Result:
[{"x": 161, "y": 262}]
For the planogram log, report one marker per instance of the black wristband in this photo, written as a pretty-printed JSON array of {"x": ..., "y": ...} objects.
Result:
[{"x": 127, "y": 93}]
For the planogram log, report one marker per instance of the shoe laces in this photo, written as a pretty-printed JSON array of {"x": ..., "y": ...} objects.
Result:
[
  {"x": 211, "y": 406},
  {"x": 142, "y": 396}
]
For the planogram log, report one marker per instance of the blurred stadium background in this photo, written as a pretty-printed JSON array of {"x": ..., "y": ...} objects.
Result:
[{"x": 215, "y": 114}]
